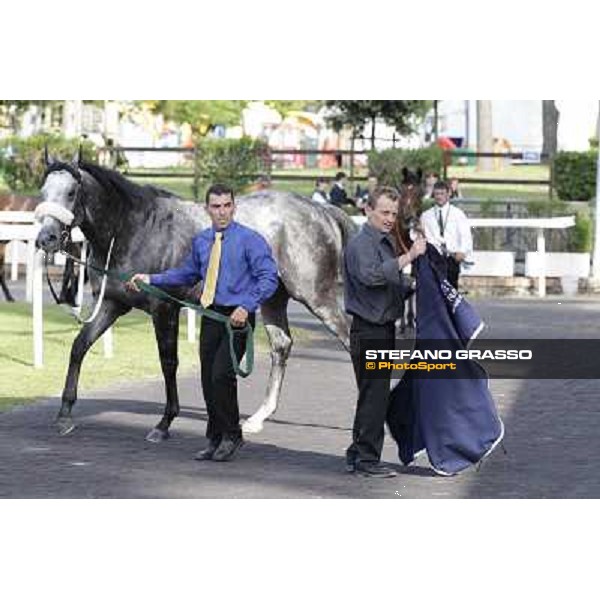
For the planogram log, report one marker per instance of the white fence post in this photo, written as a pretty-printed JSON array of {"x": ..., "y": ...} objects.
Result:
[
  {"x": 38, "y": 310},
  {"x": 541, "y": 250},
  {"x": 81, "y": 279},
  {"x": 191, "y": 325},
  {"x": 30, "y": 268},
  {"x": 14, "y": 260},
  {"x": 107, "y": 339}
]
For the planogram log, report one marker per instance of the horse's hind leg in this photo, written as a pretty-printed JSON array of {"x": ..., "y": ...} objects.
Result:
[
  {"x": 274, "y": 313},
  {"x": 166, "y": 328},
  {"x": 330, "y": 312},
  {"x": 411, "y": 311},
  {"x": 90, "y": 332},
  {"x": 402, "y": 325},
  {"x": 5, "y": 289}
]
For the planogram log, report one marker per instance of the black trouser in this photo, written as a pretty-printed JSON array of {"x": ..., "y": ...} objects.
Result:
[
  {"x": 373, "y": 394},
  {"x": 219, "y": 381},
  {"x": 453, "y": 271}
]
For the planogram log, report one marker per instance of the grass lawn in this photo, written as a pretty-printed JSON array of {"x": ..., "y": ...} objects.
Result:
[
  {"x": 135, "y": 353},
  {"x": 183, "y": 186}
]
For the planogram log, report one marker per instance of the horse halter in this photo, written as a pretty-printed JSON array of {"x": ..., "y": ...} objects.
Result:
[{"x": 70, "y": 219}]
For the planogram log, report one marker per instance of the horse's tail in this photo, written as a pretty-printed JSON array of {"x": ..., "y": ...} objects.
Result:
[
  {"x": 346, "y": 228},
  {"x": 345, "y": 224}
]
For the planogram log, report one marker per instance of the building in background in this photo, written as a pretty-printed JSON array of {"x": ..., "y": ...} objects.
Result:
[{"x": 519, "y": 122}]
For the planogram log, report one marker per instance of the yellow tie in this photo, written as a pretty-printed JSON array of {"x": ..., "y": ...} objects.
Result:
[{"x": 210, "y": 284}]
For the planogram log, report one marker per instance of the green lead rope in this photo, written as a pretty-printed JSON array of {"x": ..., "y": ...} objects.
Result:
[{"x": 204, "y": 312}]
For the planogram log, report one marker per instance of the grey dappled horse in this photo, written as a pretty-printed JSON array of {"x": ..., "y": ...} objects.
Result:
[{"x": 153, "y": 230}]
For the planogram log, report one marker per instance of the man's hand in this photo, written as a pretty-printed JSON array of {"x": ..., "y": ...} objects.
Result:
[
  {"x": 238, "y": 317},
  {"x": 419, "y": 247},
  {"x": 131, "y": 285},
  {"x": 459, "y": 256}
]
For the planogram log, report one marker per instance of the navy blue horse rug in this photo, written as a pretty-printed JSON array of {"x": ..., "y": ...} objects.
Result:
[{"x": 453, "y": 419}]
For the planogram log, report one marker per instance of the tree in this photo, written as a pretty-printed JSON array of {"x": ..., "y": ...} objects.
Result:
[
  {"x": 485, "y": 140},
  {"x": 550, "y": 116},
  {"x": 400, "y": 114},
  {"x": 202, "y": 115},
  {"x": 11, "y": 112},
  {"x": 286, "y": 106}
]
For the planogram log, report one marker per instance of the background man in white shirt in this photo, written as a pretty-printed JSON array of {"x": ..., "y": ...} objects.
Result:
[{"x": 447, "y": 228}]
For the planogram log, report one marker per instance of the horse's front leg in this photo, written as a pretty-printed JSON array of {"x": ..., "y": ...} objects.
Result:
[
  {"x": 109, "y": 312},
  {"x": 166, "y": 328}
]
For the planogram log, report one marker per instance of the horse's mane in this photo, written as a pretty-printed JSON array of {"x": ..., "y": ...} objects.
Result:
[{"x": 119, "y": 188}]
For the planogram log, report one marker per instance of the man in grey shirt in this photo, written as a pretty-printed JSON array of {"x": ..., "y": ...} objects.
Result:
[{"x": 373, "y": 288}]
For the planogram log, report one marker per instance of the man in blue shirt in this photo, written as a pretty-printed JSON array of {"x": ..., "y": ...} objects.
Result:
[{"x": 238, "y": 273}]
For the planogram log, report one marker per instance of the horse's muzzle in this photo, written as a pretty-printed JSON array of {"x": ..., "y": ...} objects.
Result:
[{"x": 48, "y": 240}]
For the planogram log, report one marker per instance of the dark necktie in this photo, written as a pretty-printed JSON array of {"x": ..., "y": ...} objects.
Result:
[{"x": 440, "y": 221}]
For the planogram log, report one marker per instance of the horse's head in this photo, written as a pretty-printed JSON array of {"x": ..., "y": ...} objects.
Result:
[
  {"x": 61, "y": 208},
  {"x": 411, "y": 188},
  {"x": 411, "y": 195}
]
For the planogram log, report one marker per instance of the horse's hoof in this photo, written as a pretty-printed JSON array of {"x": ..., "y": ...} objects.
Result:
[
  {"x": 65, "y": 425},
  {"x": 252, "y": 426},
  {"x": 157, "y": 435}
]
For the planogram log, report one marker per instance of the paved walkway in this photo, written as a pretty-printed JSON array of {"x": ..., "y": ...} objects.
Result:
[{"x": 552, "y": 432}]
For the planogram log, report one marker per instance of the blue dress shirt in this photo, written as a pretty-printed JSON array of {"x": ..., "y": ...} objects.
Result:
[{"x": 247, "y": 271}]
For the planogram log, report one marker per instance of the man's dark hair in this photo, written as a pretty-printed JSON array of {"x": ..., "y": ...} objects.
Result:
[
  {"x": 321, "y": 180},
  {"x": 340, "y": 175},
  {"x": 440, "y": 185},
  {"x": 218, "y": 189},
  {"x": 388, "y": 192}
]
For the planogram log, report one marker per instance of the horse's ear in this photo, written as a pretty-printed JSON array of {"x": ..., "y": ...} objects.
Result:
[
  {"x": 419, "y": 175},
  {"x": 404, "y": 175},
  {"x": 46, "y": 157}
]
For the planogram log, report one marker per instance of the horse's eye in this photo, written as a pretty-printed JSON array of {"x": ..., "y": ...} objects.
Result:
[{"x": 71, "y": 193}]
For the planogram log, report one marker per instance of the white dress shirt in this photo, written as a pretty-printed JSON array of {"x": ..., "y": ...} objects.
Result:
[
  {"x": 316, "y": 197},
  {"x": 456, "y": 235}
]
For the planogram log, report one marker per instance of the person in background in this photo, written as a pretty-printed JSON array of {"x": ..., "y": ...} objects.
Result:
[
  {"x": 362, "y": 195},
  {"x": 430, "y": 180},
  {"x": 454, "y": 189},
  {"x": 320, "y": 194},
  {"x": 447, "y": 228},
  {"x": 337, "y": 195},
  {"x": 262, "y": 183}
]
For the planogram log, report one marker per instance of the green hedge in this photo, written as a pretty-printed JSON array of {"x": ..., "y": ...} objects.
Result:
[
  {"x": 575, "y": 175},
  {"x": 22, "y": 159},
  {"x": 580, "y": 236},
  {"x": 236, "y": 163},
  {"x": 387, "y": 165}
]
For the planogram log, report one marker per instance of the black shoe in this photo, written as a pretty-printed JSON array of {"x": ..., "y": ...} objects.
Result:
[
  {"x": 229, "y": 445},
  {"x": 209, "y": 451},
  {"x": 373, "y": 469},
  {"x": 350, "y": 462}
]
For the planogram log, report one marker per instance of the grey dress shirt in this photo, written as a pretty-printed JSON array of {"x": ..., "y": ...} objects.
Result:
[{"x": 373, "y": 285}]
